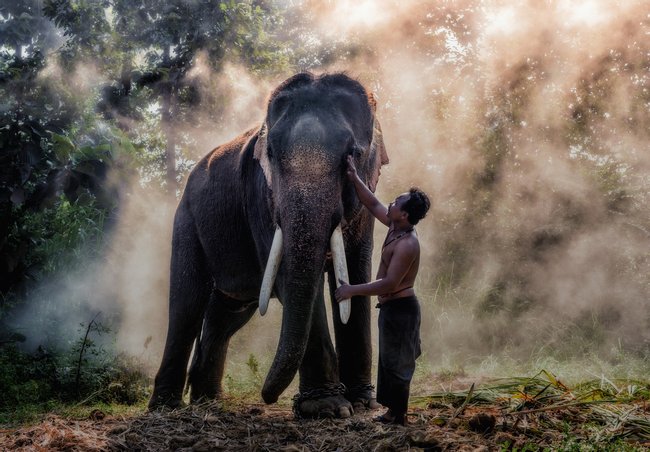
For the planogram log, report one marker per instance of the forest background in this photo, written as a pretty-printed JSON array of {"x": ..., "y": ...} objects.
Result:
[{"x": 527, "y": 122}]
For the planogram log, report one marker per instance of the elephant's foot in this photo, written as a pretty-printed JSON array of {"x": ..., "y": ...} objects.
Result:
[
  {"x": 326, "y": 402},
  {"x": 158, "y": 402},
  {"x": 362, "y": 397},
  {"x": 200, "y": 393}
]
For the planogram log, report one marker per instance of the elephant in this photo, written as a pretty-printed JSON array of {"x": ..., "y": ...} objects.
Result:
[{"x": 276, "y": 195}]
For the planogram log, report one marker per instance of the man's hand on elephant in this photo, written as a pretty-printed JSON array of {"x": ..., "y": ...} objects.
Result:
[
  {"x": 351, "y": 170},
  {"x": 343, "y": 292}
]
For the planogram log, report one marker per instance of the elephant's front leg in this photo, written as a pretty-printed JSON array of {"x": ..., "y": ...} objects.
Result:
[
  {"x": 353, "y": 340},
  {"x": 321, "y": 393},
  {"x": 224, "y": 316}
]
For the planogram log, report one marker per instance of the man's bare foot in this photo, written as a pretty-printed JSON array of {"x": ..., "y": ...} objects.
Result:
[{"x": 390, "y": 418}]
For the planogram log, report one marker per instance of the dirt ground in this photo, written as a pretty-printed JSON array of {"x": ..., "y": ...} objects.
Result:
[{"x": 210, "y": 427}]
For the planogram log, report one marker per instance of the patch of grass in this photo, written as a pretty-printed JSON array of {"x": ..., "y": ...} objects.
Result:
[
  {"x": 84, "y": 375},
  {"x": 77, "y": 411},
  {"x": 573, "y": 444},
  {"x": 33, "y": 413},
  {"x": 245, "y": 383},
  {"x": 599, "y": 412}
]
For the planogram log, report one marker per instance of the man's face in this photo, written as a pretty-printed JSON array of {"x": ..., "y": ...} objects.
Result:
[{"x": 395, "y": 208}]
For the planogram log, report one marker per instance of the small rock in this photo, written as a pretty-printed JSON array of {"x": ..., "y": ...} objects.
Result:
[
  {"x": 97, "y": 415},
  {"x": 482, "y": 423},
  {"x": 256, "y": 411},
  {"x": 23, "y": 442},
  {"x": 427, "y": 441},
  {"x": 454, "y": 423}
]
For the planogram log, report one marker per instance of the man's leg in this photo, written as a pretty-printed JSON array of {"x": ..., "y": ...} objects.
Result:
[{"x": 399, "y": 346}]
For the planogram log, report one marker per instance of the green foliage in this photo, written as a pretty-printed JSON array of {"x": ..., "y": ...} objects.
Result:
[
  {"x": 248, "y": 383},
  {"x": 86, "y": 28},
  {"x": 25, "y": 377},
  {"x": 23, "y": 27},
  {"x": 55, "y": 189},
  {"x": 30, "y": 382},
  {"x": 253, "y": 365},
  {"x": 59, "y": 141},
  {"x": 56, "y": 234}
]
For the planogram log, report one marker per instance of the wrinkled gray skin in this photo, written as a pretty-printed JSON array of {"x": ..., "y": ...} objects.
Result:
[{"x": 289, "y": 172}]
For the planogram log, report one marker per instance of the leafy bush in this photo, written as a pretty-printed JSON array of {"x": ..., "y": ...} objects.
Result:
[
  {"x": 56, "y": 232},
  {"x": 87, "y": 372}
]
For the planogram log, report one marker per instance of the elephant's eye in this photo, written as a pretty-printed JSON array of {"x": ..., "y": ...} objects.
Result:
[{"x": 355, "y": 150}]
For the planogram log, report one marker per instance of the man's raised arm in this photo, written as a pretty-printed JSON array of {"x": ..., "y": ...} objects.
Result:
[{"x": 366, "y": 197}]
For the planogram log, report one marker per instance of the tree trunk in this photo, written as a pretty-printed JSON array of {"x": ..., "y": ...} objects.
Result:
[{"x": 168, "y": 111}]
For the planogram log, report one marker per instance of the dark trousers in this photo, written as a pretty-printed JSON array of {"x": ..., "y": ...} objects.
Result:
[{"x": 399, "y": 347}]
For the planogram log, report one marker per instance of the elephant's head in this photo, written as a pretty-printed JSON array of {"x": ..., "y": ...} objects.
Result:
[{"x": 313, "y": 123}]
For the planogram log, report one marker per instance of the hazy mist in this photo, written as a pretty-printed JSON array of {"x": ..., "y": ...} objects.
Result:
[{"x": 528, "y": 125}]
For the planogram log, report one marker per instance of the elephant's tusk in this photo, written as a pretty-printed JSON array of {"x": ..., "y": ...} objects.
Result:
[
  {"x": 340, "y": 269},
  {"x": 271, "y": 270}
]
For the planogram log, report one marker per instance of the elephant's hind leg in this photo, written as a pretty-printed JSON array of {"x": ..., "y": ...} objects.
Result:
[
  {"x": 223, "y": 318},
  {"x": 190, "y": 287}
]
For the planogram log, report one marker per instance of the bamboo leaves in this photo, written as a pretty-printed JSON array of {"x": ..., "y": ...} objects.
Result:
[{"x": 608, "y": 410}]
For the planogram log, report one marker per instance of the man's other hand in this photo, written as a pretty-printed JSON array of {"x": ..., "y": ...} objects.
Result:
[{"x": 343, "y": 293}]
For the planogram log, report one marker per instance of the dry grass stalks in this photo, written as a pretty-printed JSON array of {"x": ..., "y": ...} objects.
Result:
[
  {"x": 57, "y": 433},
  {"x": 510, "y": 414}
]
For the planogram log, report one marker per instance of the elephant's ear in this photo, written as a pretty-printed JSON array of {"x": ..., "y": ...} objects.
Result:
[
  {"x": 372, "y": 101},
  {"x": 260, "y": 153},
  {"x": 381, "y": 156},
  {"x": 377, "y": 143}
]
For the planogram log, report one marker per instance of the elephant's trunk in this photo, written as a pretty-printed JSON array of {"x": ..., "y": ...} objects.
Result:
[
  {"x": 309, "y": 207},
  {"x": 297, "y": 281},
  {"x": 296, "y": 322}
]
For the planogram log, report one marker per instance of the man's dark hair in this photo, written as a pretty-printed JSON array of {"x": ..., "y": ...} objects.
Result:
[{"x": 417, "y": 205}]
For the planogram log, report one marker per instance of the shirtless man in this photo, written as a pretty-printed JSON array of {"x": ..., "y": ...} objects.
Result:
[{"x": 399, "y": 315}]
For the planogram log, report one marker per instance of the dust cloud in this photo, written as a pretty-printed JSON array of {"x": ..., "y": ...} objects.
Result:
[{"x": 527, "y": 123}]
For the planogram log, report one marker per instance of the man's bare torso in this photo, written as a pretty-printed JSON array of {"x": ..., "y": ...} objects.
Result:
[{"x": 393, "y": 241}]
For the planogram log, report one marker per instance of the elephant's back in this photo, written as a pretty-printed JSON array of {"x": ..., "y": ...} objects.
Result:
[
  {"x": 214, "y": 197},
  {"x": 218, "y": 170},
  {"x": 228, "y": 153}
]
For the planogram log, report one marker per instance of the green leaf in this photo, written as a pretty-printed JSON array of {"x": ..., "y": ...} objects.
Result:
[
  {"x": 63, "y": 147},
  {"x": 93, "y": 152}
]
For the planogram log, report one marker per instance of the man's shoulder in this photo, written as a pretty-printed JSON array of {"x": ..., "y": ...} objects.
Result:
[{"x": 410, "y": 243}]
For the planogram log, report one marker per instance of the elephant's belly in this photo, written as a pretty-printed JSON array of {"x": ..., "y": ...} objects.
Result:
[
  {"x": 235, "y": 302},
  {"x": 245, "y": 296},
  {"x": 238, "y": 279},
  {"x": 233, "y": 264}
]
